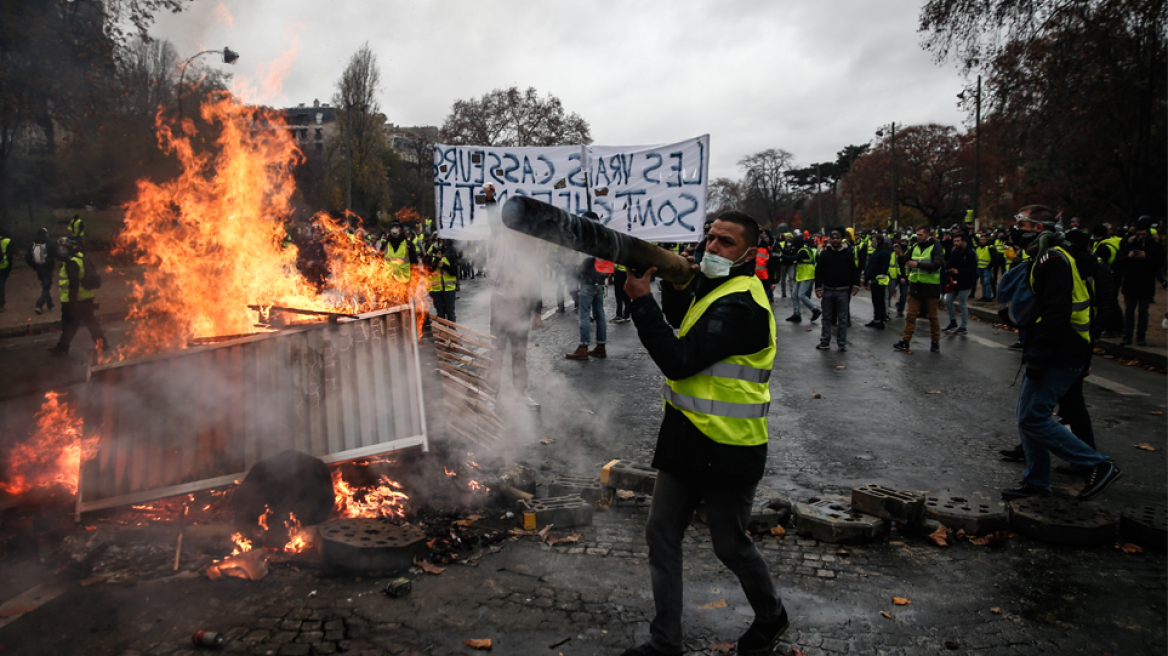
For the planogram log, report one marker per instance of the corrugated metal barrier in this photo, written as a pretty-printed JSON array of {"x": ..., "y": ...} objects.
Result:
[{"x": 200, "y": 418}]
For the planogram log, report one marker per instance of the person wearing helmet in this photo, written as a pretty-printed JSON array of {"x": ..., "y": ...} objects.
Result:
[
  {"x": 39, "y": 258},
  {"x": 77, "y": 304}
]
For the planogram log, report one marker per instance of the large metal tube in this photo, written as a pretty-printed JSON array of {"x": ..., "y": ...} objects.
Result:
[{"x": 552, "y": 224}]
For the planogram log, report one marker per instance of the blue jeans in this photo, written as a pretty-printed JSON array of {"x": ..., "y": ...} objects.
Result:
[
  {"x": 902, "y": 298},
  {"x": 802, "y": 294},
  {"x": 836, "y": 312},
  {"x": 962, "y": 298},
  {"x": 1041, "y": 433},
  {"x": 987, "y": 282},
  {"x": 592, "y": 304},
  {"x": 1131, "y": 303}
]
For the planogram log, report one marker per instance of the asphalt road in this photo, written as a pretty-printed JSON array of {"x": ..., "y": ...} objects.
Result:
[{"x": 874, "y": 421}]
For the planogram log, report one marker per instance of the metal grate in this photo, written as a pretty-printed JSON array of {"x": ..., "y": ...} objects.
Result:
[{"x": 200, "y": 418}]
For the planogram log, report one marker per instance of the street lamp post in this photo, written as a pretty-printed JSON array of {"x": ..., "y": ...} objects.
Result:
[
  {"x": 895, "y": 203},
  {"x": 229, "y": 57},
  {"x": 976, "y": 147}
]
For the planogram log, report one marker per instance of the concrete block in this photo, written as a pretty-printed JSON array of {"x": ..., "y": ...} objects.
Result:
[
  {"x": 887, "y": 503},
  {"x": 581, "y": 486},
  {"x": 561, "y": 511},
  {"x": 832, "y": 519},
  {"x": 976, "y": 514},
  {"x": 1146, "y": 526},
  {"x": 621, "y": 475},
  {"x": 1062, "y": 521}
]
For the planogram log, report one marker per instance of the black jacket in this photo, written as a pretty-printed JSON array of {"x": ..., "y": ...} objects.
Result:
[
  {"x": 1139, "y": 273},
  {"x": 878, "y": 264},
  {"x": 965, "y": 261},
  {"x": 1052, "y": 340},
  {"x": 836, "y": 268},
  {"x": 733, "y": 325}
]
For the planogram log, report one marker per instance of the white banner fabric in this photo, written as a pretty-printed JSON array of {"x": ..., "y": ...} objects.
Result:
[{"x": 656, "y": 193}]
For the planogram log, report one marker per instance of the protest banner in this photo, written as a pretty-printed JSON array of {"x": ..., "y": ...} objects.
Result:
[{"x": 656, "y": 193}]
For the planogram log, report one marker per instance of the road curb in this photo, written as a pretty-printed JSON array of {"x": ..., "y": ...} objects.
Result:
[{"x": 1114, "y": 349}]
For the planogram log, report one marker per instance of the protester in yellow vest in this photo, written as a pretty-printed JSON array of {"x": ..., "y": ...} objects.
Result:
[
  {"x": 1057, "y": 352},
  {"x": 400, "y": 253},
  {"x": 713, "y": 439},
  {"x": 7, "y": 256},
  {"x": 77, "y": 306},
  {"x": 77, "y": 228},
  {"x": 443, "y": 280},
  {"x": 923, "y": 265},
  {"x": 805, "y": 256}
]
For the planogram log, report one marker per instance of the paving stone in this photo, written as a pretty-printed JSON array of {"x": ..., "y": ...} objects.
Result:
[
  {"x": 976, "y": 513},
  {"x": 1062, "y": 521},
  {"x": 295, "y": 650},
  {"x": 623, "y": 475},
  {"x": 887, "y": 503},
  {"x": 564, "y": 512},
  {"x": 832, "y": 519},
  {"x": 584, "y": 487},
  {"x": 1146, "y": 526}
]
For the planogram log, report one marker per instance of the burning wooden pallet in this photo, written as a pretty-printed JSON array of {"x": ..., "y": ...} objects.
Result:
[{"x": 464, "y": 361}]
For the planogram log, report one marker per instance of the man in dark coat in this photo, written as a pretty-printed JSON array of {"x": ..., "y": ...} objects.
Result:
[{"x": 1140, "y": 258}]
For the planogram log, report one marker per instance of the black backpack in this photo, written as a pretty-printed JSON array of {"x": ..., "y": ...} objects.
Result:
[{"x": 91, "y": 279}]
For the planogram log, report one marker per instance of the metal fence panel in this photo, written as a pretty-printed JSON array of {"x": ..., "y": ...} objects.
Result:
[{"x": 199, "y": 418}]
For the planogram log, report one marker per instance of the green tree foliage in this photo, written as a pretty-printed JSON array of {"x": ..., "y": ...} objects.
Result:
[
  {"x": 1075, "y": 96},
  {"x": 510, "y": 117}
]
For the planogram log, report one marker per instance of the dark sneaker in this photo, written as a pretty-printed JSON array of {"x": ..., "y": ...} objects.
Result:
[
  {"x": 1024, "y": 491},
  {"x": 1017, "y": 346},
  {"x": 815, "y": 314},
  {"x": 58, "y": 351},
  {"x": 935, "y": 347},
  {"x": 872, "y": 324},
  {"x": 646, "y": 650},
  {"x": 795, "y": 318},
  {"x": 899, "y": 313},
  {"x": 823, "y": 346},
  {"x": 38, "y": 310},
  {"x": 951, "y": 327},
  {"x": 901, "y": 345},
  {"x": 843, "y": 348},
  {"x": 1141, "y": 342},
  {"x": 1126, "y": 341},
  {"x": 761, "y": 638},
  {"x": 1017, "y": 454},
  {"x": 877, "y": 325},
  {"x": 1100, "y": 478},
  {"x": 961, "y": 331}
]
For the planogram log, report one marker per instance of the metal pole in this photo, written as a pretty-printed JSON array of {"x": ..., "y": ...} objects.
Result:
[
  {"x": 895, "y": 204},
  {"x": 977, "y": 152},
  {"x": 818, "y": 196}
]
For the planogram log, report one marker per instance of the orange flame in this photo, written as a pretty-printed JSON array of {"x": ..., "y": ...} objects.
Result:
[
  {"x": 53, "y": 454},
  {"x": 263, "y": 520},
  {"x": 211, "y": 238},
  {"x": 381, "y": 500},
  {"x": 242, "y": 544},
  {"x": 297, "y": 538}
]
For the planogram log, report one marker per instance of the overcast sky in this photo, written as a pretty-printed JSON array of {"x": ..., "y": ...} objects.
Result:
[{"x": 808, "y": 76}]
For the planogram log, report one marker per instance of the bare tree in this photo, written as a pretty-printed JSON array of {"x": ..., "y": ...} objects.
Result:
[
  {"x": 510, "y": 117},
  {"x": 724, "y": 194},
  {"x": 362, "y": 127},
  {"x": 768, "y": 191}
]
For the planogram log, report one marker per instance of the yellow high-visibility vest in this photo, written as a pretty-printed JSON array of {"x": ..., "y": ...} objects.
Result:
[
  {"x": 729, "y": 400},
  {"x": 83, "y": 294},
  {"x": 397, "y": 260},
  {"x": 1080, "y": 298},
  {"x": 439, "y": 280}
]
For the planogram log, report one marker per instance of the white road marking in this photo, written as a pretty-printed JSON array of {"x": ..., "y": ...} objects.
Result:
[
  {"x": 1118, "y": 388},
  {"x": 30, "y": 600},
  {"x": 985, "y": 342}
]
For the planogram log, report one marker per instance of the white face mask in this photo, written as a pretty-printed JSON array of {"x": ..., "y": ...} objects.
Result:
[
  {"x": 395, "y": 233},
  {"x": 716, "y": 266}
]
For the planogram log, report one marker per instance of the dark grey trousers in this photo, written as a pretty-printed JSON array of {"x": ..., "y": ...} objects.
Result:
[
  {"x": 836, "y": 306},
  {"x": 728, "y": 513}
]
